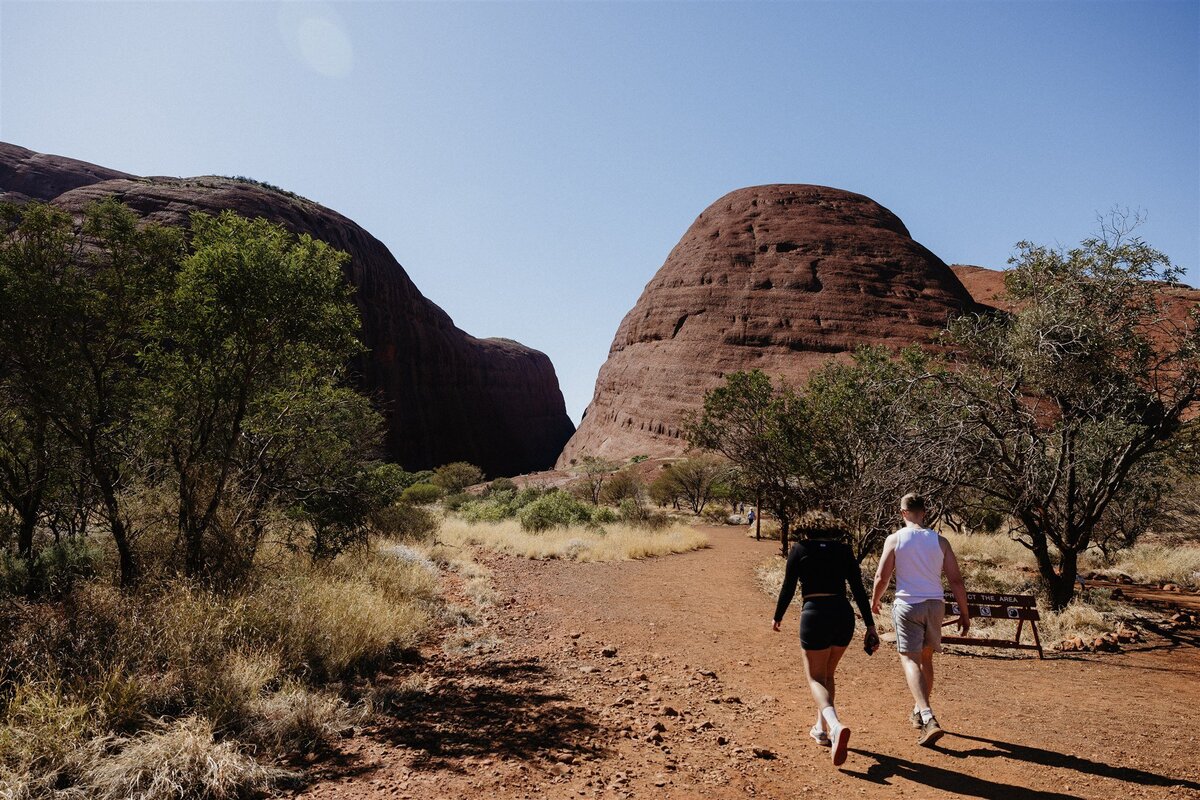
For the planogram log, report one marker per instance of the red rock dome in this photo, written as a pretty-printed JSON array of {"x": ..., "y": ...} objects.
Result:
[{"x": 780, "y": 278}]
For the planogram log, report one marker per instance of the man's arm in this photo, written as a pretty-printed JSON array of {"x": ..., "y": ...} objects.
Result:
[
  {"x": 954, "y": 576},
  {"x": 883, "y": 574}
]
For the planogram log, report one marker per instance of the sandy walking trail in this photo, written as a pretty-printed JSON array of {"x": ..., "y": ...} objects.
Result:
[{"x": 702, "y": 700}]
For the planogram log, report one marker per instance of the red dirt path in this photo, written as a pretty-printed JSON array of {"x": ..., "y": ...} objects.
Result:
[{"x": 548, "y": 715}]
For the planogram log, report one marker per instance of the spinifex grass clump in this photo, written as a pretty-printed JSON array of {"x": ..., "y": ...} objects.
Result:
[
  {"x": 612, "y": 542},
  {"x": 111, "y": 694}
]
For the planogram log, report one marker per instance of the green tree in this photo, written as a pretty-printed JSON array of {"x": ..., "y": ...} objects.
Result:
[
  {"x": 697, "y": 480},
  {"x": 457, "y": 476},
  {"x": 757, "y": 428},
  {"x": 254, "y": 311},
  {"x": 1058, "y": 405},
  {"x": 73, "y": 302},
  {"x": 869, "y": 441},
  {"x": 622, "y": 485},
  {"x": 594, "y": 471}
]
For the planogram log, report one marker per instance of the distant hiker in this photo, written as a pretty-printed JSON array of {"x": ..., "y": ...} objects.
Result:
[
  {"x": 918, "y": 556},
  {"x": 823, "y": 564},
  {"x": 750, "y": 517}
]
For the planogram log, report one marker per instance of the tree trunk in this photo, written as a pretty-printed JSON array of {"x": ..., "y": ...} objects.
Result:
[
  {"x": 784, "y": 526},
  {"x": 1062, "y": 585},
  {"x": 758, "y": 516},
  {"x": 117, "y": 527}
]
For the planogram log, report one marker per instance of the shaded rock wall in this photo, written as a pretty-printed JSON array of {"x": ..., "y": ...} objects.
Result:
[
  {"x": 446, "y": 395},
  {"x": 780, "y": 278}
]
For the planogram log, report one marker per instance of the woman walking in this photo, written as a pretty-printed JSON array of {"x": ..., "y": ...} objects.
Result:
[{"x": 822, "y": 563}]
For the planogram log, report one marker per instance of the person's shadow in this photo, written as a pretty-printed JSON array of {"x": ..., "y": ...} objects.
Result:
[{"x": 887, "y": 767}]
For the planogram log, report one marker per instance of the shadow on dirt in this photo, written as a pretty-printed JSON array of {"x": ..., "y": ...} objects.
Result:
[
  {"x": 1050, "y": 758},
  {"x": 492, "y": 708},
  {"x": 887, "y": 768}
]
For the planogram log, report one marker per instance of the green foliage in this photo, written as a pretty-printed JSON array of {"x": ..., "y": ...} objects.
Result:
[
  {"x": 74, "y": 301},
  {"x": 421, "y": 494},
  {"x": 457, "y": 476},
  {"x": 499, "y": 504},
  {"x": 696, "y": 480},
  {"x": 844, "y": 442},
  {"x": 501, "y": 485},
  {"x": 593, "y": 473},
  {"x": 456, "y": 501},
  {"x": 131, "y": 355},
  {"x": 1065, "y": 404},
  {"x": 405, "y": 522},
  {"x": 554, "y": 509},
  {"x": 757, "y": 427},
  {"x": 623, "y": 485},
  {"x": 258, "y": 321}
]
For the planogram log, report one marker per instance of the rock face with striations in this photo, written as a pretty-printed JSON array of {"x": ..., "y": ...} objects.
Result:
[
  {"x": 446, "y": 395},
  {"x": 780, "y": 278}
]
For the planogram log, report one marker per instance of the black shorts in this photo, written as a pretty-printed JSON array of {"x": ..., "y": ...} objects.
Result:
[{"x": 826, "y": 622}]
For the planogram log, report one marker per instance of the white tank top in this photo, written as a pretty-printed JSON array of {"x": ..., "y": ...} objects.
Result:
[{"x": 918, "y": 565}]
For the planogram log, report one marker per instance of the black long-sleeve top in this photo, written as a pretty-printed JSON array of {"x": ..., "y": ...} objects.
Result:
[{"x": 823, "y": 566}]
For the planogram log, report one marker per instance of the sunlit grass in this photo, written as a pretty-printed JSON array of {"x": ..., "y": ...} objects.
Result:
[{"x": 615, "y": 542}]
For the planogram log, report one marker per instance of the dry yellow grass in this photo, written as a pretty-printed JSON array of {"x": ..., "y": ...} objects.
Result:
[
  {"x": 616, "y": 542},
  {"x": 1154, "y": 563}
]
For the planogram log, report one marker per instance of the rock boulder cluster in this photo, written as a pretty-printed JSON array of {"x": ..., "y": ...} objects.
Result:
[{"x": 446, "y": 395}]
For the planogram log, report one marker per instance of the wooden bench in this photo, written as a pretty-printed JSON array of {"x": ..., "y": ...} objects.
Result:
[{"x": 1021, "y": 607}]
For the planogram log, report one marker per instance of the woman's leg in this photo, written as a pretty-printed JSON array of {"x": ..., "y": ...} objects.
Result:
[{"x": 820, "y": 666}]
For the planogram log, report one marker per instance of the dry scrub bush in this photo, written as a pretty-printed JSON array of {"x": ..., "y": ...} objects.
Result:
[
  {"x": 612, "y": 543},
  {"x": 346, "y": 617},
  {"x": 1154, "y": 563},
  {"x": 80, "y": 678},
  {"x": 182, "y": 761},
  {"x": 296, "y": 718}
]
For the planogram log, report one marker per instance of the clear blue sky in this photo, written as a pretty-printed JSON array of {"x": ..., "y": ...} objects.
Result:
[{"x": 532, "y": 164}]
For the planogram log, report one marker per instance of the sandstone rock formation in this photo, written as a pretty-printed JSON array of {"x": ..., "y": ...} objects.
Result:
[
  {"x": 446, "y": 395},
  {"x": 986, "y": 286},
  {"x": 781, "y": 278}
]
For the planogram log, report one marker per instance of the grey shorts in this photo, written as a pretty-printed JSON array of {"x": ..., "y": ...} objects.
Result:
[{"x": 918, "y": 626}]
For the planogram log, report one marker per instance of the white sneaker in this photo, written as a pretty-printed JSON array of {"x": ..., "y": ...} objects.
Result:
[
  {"x": 839, "y": 741},
  {"x": 819, "y": 736}
]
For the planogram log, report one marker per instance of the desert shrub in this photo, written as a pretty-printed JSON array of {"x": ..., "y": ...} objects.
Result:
[
  {"x": 501, "y": 485},
  {"x": 457, "y": 476},
  {"x": 296, "y": 718},
  {"x": 82, "y": 678},
  {"x": 181, "y": 761},
  {"x": 615, "y": 542},
  {"x": 41, "y": 731},
  {"x": 54, "y": 570},
  {"x": 604, "y": 515},
  {"x": 622, "y": 486},
  {"x": 455, "y": 502},
  {"x": 632, "y": 511},
  {"x": 347, "y": 619},
  {"x": 495, "y": 508},
  {"x": 717, "y": 515},
  {"x": 527, "y": 495},
  {"x": 405, "y": 522},
  {"x": 421, "y": 494},
  {"x": 554, "y": 509}
]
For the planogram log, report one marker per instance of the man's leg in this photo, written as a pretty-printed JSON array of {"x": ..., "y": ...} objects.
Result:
[
  {"x": 915, "y": 678},
  {"x": 927, "y": 672}
]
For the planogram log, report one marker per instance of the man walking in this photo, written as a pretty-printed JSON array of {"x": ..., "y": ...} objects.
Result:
[{"x": 918, "y": 556}]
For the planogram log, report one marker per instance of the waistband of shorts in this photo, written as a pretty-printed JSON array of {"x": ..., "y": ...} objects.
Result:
[
  {"x": 902, "y": 601},
  {"x": 819, "y": 598}
]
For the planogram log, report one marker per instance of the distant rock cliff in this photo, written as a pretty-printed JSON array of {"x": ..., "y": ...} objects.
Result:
[
  {"x": 446, "y": 395},
  {"x": 780, "y": 278}
]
